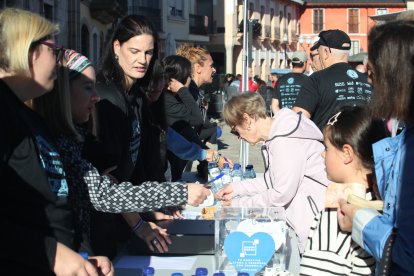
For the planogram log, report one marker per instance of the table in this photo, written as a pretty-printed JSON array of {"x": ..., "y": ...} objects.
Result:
[{"x": 129, "y": 265}]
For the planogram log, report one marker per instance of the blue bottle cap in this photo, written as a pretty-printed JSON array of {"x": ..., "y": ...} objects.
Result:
[
  {"x": 242, "y": 274},
  {"x": 201, "y": 271},
  {"x": 236, "y": 166},
  {"x": 84, "y": 255},
  {"x": 148, "y": 271},
  {"x": 177, "y": 274},
  {"x": 226, "y": 165},
  {"x": 219, "y": 274},
  {"x": 219, "y": 132}
]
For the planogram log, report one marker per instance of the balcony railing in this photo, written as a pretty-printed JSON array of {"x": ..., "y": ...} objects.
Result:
[
  {"x": 107, "y": 11},
  {"x": 277, "y": 32},
  {"x": 197, "y": 25},
  {"x": 153, "y": 14},
  {"x": 266, "y": 32}
]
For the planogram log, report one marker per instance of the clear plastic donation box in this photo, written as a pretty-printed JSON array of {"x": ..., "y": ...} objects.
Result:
[{"x": 251, "y": 240}]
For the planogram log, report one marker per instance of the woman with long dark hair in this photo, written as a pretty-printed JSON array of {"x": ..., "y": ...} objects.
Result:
[{"x": 126, "y": 125}]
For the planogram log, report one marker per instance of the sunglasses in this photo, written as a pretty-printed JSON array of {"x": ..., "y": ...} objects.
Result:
[
  {"x": 58, "y": 50},
  {"x": 235, "y": 132}
]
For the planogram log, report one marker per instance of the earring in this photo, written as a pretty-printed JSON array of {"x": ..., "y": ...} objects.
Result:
[
  {"x": 248, "y": 128},
  {"x": 116, "y": 57}
]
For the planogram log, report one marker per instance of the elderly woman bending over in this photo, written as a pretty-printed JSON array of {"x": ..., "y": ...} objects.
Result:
[{"x": 294, "y": 176}]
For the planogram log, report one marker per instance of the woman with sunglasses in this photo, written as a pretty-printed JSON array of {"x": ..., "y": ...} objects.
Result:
[
  {"x": 37, "y": 237},
  {"x": 294, "y": 177}
]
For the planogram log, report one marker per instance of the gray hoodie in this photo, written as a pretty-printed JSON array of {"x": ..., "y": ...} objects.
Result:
[{"x": 295, "y": 176}]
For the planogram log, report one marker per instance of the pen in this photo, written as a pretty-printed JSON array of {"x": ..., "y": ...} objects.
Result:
[
  {"x": 216, "y": 178},
  {"x": 225, "y": 159}
]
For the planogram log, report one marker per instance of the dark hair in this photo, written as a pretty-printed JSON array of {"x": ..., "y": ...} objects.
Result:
[
  {"x": 130, "y": 26},
  {"x": 356, "y": 127},
  {"x": 177, "y": 67},
  {"x": 391, "y": 61}
]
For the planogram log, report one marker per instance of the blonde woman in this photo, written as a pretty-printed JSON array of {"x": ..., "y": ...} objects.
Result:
[{"x": 36, "y": 219}]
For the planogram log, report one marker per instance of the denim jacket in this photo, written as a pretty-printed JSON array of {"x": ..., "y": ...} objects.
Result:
[{"x": 370, "y": 228}]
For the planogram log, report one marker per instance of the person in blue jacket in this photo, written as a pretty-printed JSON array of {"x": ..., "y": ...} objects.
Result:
[{"x": 388, "y": 236}]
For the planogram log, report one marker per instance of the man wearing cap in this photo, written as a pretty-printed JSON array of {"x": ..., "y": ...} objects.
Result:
[
  {"x": 336, "y": 85},
  {"x": 289, "y": 85}
]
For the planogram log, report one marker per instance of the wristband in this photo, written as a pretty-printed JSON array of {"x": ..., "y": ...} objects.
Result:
[{"x": 137, "y": 225}]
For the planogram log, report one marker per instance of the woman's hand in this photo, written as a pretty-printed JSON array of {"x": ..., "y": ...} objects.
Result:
[
  {"x": 225, "y": 195},
  {"x": 197, "y": 193},
  {"x": 174, "y": 85},
  {"x": 223, "y": 159},
  {"x": 211, "y": 155},
  {"x": 154, "y": 236},
  {"x": 346, "y": 213},
  {"x": 103, "y": 264},
  {"x": 68, "y": 262}
]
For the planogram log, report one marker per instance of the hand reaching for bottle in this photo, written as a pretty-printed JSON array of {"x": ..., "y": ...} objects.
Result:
[
  {"x": 225, "y": 195},
  {"x": 197, "y": 193}
]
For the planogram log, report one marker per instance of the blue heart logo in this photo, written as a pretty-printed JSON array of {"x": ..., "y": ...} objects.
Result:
[{"x": 249, "y": 254}]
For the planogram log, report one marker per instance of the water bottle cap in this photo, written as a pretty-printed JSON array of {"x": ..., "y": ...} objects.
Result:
[
  {"x": 177, "y": 274},
  {"x": 84, "y": 255},
  {"x": 225, "y": 165},
  {"x": 236, "y": 166},
  {"x": 242, "y": 274},
  {"x": 249, "y": 167},
  {"x": 219, "y": 274},
  {"x": 148, "y": 271},
  {"x": 201, "y": 271}
]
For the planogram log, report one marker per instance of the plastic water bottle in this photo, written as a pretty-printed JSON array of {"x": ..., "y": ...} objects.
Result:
[
  {"x": 249, "y": 172},
  {"x": 148, "y": 271},
  {"x": 213, "y": 170},
  {"x": 237, "y": 174},
  {"x": 227, "y": 174},
  {"x": 201, "y": 271}
]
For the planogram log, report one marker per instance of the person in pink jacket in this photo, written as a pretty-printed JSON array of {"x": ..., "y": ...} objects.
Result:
[{"x": 295, "y": 176}]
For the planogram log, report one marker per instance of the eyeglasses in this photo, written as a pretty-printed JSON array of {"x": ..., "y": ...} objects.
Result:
[
  {"x": 313, "y": 55},
  {"x": 235, "y": 132},
  {"x": 58, "y": 50}
]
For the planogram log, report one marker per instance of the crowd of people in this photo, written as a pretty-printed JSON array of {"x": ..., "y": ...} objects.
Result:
[
  {"x": 357, "y": 115},
  {"x": 93, "y": 155}
]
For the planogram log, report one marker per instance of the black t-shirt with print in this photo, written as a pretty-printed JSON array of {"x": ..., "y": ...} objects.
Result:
[
  {"x": 288, "y": 87},
  {"x": 35, "y": 209},
  {"x": 331, "y": 88}
]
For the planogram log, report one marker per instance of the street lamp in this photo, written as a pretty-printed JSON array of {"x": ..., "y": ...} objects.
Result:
[
  {"x": 285, "y": 41},
  {"x": 308, "y": 41}
]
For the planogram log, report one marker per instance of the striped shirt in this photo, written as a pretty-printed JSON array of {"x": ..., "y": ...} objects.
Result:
[{"x": 331, "y": 251}]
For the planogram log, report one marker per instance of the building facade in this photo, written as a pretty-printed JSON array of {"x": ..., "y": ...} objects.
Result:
[
  {"x": 271, "y": 47},
  {"x": 350, "y": 16}
]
